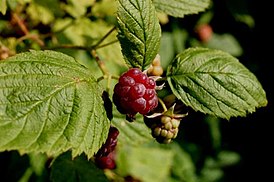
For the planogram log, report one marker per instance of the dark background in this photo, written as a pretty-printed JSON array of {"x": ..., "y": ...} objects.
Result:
[{"x": 251, "y": 136}]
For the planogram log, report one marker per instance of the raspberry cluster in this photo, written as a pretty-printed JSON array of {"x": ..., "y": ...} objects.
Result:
[
  {"x": 165, "y": 121},
  {"x": 164, "y": 128},
  {"x": 105, "y": 157},
  {"x": 135, "y": 92}
]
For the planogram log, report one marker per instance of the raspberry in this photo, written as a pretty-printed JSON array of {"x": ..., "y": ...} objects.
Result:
[
  {"x": 106, "y": 162},
  {"x": 163, "y": 128},
  {"x": 110, "y": 143},
  {"x": 165, "y": 124},
  {"x": 135, "y": 92},
  {"x": 105, "y": 157}
]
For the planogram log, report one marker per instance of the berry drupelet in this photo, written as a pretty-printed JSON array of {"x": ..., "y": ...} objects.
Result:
[{"x": 135, "y": 92}]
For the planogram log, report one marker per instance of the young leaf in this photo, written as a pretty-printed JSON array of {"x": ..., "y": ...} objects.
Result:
[
  {"x": 214, "y": 82},
  {"x": 64, "y": 168},
  {"x": 50, "y": 103},
  {"x": 139, "y": 32},
  {"x": 180, "y": 8}
]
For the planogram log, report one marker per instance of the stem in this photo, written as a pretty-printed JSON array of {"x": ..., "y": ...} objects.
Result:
[
  {"x": 89, "y": 48},
  {"x": 25, "y": 30},
  {"x": 85, "y": 48},
  {"x": 106, "y": 44},
  {"x": 20, "y": 23},
  {"x": 162, "y": 104},
  {"x": 100, "y": 63},
  {"x": 103, "y": 38},
  {"x": 67, "y": 46}
]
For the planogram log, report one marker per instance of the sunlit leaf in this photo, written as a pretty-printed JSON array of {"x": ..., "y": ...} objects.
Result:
[
  {"x": 214, "y": 82},
  {"x": 50, "y": 103},
  {"x": 139, "y": 32}
]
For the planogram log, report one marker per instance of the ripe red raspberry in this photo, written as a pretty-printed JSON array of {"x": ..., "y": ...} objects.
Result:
[
  {"x": 105, "y": 157},
  {"x": 110, "y": 143},
  {"x": 106, "y": 162},
  {"x": 135, "y": 92}
]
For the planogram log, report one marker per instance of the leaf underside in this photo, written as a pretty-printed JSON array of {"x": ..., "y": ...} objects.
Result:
[
  {"x": 50, "y": 103},
  {"x": 214, "y": 82},
  {"x": 139, "y": 32}
]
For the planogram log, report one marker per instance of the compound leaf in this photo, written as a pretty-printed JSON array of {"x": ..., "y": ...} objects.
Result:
[
  {"x": 50, "y": 103},
  {"x": 214, "y": 82},
  {"x": 180, "y": 8},
  {"x": 139, "y": 32}
]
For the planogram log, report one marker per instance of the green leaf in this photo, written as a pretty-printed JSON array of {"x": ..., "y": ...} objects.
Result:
[
  {"x": 139, "y": 32},
  {"x": 214, "y": 82},
  {"x": 225, "y": 42},
  {"x": 131, "y": 133},
  {"x": 180, "y": 8},
  {"x": 66, "y": 169},
  {"x": 183, "y": 168},
  {"x": 146, "y": 163},
  {"x": 50, "y": 103}
]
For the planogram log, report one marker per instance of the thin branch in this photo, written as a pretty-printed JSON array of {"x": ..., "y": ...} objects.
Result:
[
  {"x": 100, "y": 63},
  {"x": 106, "y": 44},
  {"x": 20, "y": 23},
  {"x": 104, "y": 37},
  {"x": 25, "y": 30}
]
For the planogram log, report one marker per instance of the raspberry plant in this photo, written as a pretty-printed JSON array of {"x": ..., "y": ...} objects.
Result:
[{"x": 57, "y": 106}]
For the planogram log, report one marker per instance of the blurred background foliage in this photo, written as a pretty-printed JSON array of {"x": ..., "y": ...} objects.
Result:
[{"x": 208, "y": 149}]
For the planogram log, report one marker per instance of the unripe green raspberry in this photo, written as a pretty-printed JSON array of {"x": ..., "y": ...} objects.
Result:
[
  {"x": 163, "y": 133},
  {"x": 175, "y": 123},
  {"x": 166, "y": 141},
  {"x": 156, "y": 132},
  {"x": 168, "y": 126},
  {"x": 164, "y": 128},
  {"x": 165, "y": 119},
  {"x": 165, "y": 124},
  {"x": 169, "y": 135}
]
